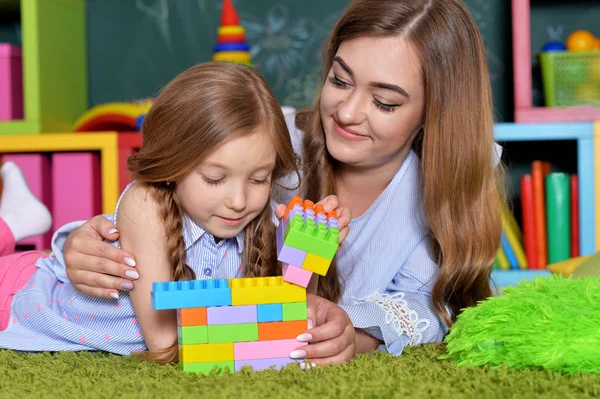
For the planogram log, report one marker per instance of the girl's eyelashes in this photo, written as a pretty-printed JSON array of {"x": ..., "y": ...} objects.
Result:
[
  {"x": 334, "y": 80},
  {"x": 385, "y": 107},
  {"x": 213, "y": 182},
  {"x": 261, "y": 182}
]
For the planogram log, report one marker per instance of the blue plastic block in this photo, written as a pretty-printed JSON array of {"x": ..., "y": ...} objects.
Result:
[
  {"x": 270, "y": 312},
  {"x": 231, "y": 47},
  {"x": 190, "y": 294}
]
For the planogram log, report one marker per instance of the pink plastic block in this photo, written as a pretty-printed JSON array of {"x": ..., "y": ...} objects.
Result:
[
  {"x": 296, "y": 275},
  {"x": 263, "y": 364},
  {"x": 76, "y": 193},
  {"x": 265, "y": 349},
  {"x": 36, "y": 169},
  {"x": 231, "y": 314},
  {"x": 11, "y": 83}
]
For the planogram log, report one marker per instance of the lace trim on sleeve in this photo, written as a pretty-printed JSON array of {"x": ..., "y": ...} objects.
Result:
[{"x": 404, "y": 320}]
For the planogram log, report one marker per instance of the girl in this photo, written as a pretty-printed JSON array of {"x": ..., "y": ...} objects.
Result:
[
  {"x": 402, "y": 133},
  {"x": 213, "y": 143}
]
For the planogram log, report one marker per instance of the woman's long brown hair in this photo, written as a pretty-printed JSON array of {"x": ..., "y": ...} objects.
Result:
[
  {"x": 198, "y": 111},
  {"x": 462, "y": 189}
]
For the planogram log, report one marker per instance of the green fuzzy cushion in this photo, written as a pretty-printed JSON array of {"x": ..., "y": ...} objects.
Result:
[{"x": 551, "y": 322}]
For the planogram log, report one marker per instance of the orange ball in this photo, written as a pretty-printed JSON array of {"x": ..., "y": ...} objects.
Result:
[{"x": 581, "y": 40}]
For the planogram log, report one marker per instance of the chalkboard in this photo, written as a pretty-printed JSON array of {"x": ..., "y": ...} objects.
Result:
[{"x": 137, "y": 46}]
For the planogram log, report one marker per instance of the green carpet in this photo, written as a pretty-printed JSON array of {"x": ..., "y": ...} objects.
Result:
[{"x": 415, "y": 374}]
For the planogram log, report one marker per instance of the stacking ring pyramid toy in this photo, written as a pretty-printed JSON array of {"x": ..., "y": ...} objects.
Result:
[
  {"x": 231, "y": 41},
  {"x": 254, "y": 322}
]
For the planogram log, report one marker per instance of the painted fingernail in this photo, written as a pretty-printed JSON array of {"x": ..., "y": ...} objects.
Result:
[
  {"x": 129, "y": 261},
  {"x": 298, "y": 354},
  {"x": 126, "y": 285},
  {"x": 132, "y": 274},
  {"x": 114, "y": 295},
  {"x": 310, "y": 323},
  {"x": 306, "y": 337},
  {"x": 112, "y": 231}
]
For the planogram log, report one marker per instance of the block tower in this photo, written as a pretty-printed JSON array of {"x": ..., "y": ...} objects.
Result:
[
  {"x": 254, "y": 322},
  {"x": 231, "y": 41}
]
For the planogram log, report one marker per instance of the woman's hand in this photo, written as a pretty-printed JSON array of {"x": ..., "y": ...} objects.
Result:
[
  {"x": 330, "y": 203},
  {"x": 332, "y": 339},
  {"x": 95, "y": 267}
]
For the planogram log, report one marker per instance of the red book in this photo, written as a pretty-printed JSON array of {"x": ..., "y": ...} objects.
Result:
[
  {"x": 574, "y": 216},
  {"x": 539, "y": 201},
  {"x": 527, "y": 209}
]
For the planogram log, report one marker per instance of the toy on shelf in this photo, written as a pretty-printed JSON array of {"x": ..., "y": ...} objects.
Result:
[
  {"x": 565, "y": 101},
  {"x": 231, "y": 41},
  {"x": 11, "y": 83},
  {"x": 117, "y": 116},
  {"x": 572, "y": 77},
  {"x": 254, "y": 322}
]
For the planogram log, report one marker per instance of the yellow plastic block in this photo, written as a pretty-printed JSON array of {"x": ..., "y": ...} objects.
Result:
[
  {"x": 264, "y": 290},
  {"x": 316, "y": 264},
  {"x": 202, "y": 353},
  {"x": 105, "y": 142}
]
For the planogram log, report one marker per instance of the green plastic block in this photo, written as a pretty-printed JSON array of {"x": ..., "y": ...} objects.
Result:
[
  {"x": 207, "y": 368},
  {"x": 294, "y": 311},
  {"x": 310, "y": 238},
  {"x": 190, "y": 335},
  {"x": 222, "y": 333}
]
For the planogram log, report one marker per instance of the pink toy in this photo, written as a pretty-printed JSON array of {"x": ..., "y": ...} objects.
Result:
[
  {"x": 76, "y": 182},
  {"x": 296, "y": 275},
  {"x": 11, "y": 83},
  {"x": 36, "y": 169},
  {"x": 265, "y": 349}
]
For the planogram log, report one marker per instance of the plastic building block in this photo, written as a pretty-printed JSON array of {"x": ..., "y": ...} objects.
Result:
[
  {"x": 316, "y": 264},
  {"x": 76, "y": 187},
  {"x": 36, "y": 169},
  {"x": 232, "y": 315},
  {"x": 296, "y": 275},
  {"x": 290, "y": 255},
  {"x": 190, "y": 294},
  {"x": 207, "y": 367},
  {"x": 311, "y": 237},
  {"x": 191, "y": 317},
  {"x": 232, "y": 333},
  {"x": 264, "y": 364},
  {"x": 265, "y": 349},
  {"x": 294, "y": 311},
  {"x": 260, "y": 290},
  {"x": 269, "y": 312},
  {"x": 192, "y": 335},
  {"x": 281, "y": 330},
  {"x": 11, "y": 83},
  {"x": 206, "y": 353},
  {"x": 105, "y": 142}
]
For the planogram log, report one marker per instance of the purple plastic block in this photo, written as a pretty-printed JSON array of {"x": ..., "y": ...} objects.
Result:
[
  {"x": 293, "y": 256},
  {"x": 231, "y": 315},
  {"x": 332, "y": 222},
  {"x": 263, "y": 364}
]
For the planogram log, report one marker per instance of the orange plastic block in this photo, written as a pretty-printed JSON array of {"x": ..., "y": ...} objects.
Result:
[
  {"x": 191, "y": 317},
  {"x": 281, "y": 330}
]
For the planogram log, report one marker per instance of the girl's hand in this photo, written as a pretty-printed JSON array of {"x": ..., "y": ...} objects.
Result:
[
  {"x": 332, "y": 340},
  {"x": 330, "y": 203}
]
